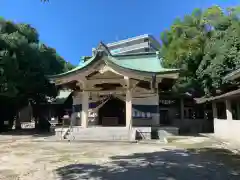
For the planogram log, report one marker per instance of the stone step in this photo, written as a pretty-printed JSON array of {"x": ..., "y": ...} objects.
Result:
[
  {"x": 100, "y": 134},
  {"x": 111, "y": 138},
  {"x": 102, "y": 129},
  {"x": 104, "y": 138}
]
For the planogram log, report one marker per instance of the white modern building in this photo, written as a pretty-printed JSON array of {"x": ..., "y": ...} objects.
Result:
[{"x": 139, "y": 44}]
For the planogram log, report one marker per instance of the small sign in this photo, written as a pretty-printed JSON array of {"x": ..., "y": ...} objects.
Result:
[{"x": 166, "y": 101}]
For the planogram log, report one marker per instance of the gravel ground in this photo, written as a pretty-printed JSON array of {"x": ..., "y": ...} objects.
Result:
[{"x": 188, "y": 158}]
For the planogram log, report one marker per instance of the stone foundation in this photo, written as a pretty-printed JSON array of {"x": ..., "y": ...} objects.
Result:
[{"x": 99, "y": 133}]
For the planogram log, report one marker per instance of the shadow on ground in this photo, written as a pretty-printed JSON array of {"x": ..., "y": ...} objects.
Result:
[{"x": 192, "y": 164}]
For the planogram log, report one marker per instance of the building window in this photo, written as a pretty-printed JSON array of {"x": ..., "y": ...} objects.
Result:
[
  {"x": 188, "y": 113},
  {"x": 146, "y": 40},
  {"x": 235, "y": 110},
  {"x": 146, "y": 49},
  {"x": 185, "y": 113},
  {"x": 221, "y": 110},
  {"x": 199, "y": 112},
  {"x": 193, "y": 113},
  {"x": 154, "y": 48}
]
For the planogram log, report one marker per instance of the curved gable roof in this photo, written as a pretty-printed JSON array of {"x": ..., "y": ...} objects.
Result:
[{"x": 146, "y": 63}]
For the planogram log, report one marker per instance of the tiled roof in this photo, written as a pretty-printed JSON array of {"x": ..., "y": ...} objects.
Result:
[
  {"x": 147, "y": 62},
  {"x": 141, "y": 62},
  {"x": 62, "y": 97}
]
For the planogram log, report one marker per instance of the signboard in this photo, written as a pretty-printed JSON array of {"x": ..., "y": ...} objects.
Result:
[{"x": 168, "y": 102}]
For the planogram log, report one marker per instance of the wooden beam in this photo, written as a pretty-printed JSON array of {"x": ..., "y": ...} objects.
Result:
[
  {"x": 99, "y": 81},
  {"x": 127, "y": 82}
]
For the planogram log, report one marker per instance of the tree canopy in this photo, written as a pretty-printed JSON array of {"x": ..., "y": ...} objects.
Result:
[
  {"x": 24, "y": 64},
  {"x": 206, "y": 46}
]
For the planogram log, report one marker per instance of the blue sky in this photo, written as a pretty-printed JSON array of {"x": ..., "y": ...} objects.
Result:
[{"x": 73, "y": 27}]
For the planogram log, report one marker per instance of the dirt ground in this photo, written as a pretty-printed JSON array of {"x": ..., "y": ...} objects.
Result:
[{"x": 198, "y": 158}]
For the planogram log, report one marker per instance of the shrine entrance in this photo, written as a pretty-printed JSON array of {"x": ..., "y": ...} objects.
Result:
[
  {"x": 103, "y": 74},
  {"x": 112, "y": 113}
]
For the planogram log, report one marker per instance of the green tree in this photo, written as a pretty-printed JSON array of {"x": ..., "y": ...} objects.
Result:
[
  {"x": 205, "y": 45},
  {"x": 182, "y": 47},
  {"x": 221, "y": 53},
  {"x": 24, "y": 64}
]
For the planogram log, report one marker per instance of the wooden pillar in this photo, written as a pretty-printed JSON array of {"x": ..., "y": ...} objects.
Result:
[
  {"x": 158, "y": 123},
  {"x": 75, "y": 116},
  {"x": 238, "y": 111},
  {"x": 84, "y": 112},
  {"x": 128, "y": 108},
  {"x": 205, "y": 112},
  {"x": 228, "y": 109},
  {"x": 182, "y": 109}
]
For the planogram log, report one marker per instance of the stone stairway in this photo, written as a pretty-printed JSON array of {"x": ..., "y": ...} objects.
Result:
[
  {"x": 98, "y": 133},
  {"x": 101, "y": 134}
]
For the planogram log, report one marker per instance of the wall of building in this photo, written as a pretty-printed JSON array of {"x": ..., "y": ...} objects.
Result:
[
  {"x": 144, "y": 112},
  {"x": 192, "y": 125},
  {"x": 227, "y": 129},
  {"x": 77, "y": 106},
  {"x": 135, "y": 48},
  {"x": 25, "y": 114},
  {"x": 226, "y": 115},
  {"x": 144, "y": 43},
  {"x": 190, "y": 120}
]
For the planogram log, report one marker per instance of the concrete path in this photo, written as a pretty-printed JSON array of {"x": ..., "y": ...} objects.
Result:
[{"x": 233, "y": 146}]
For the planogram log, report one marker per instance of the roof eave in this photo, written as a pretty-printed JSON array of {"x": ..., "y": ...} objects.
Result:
[
  {"x": 149, "y": 74},
  {"x": 110, "y": 61},
  {"x": 76, "y": 70},
  {"x": 233, "y": 93},
  {"x": 233, "y": 75}
]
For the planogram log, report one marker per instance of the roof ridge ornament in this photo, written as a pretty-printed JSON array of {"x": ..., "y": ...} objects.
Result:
[{"x": 102, "y": 48}]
